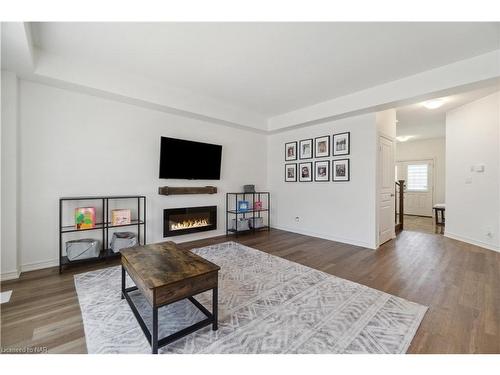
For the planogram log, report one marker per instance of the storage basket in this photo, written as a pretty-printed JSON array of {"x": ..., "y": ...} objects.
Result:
[
  {"x": 82, "y": 249},
  {"x": 122, "y": 240},
  {"x": 256, "y": 223},
  {"x": 243, "y": 224}
]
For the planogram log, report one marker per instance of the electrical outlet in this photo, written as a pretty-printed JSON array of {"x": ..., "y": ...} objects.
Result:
[
  {"x": 297, "y": 219},
  {"x": 489, "y": 232}
]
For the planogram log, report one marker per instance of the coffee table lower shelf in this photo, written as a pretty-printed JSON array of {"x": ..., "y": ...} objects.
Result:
[{"x": 152, "y": 337}]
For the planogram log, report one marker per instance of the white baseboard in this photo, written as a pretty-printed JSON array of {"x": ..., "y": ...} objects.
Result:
[
  {"x": 471, "y": 241},
  {"x": 39, "y": 265},
  {"x": 326, "y": 236},
  {"x": 55, "y": 262},
  {"x": 11, "y": 275}
]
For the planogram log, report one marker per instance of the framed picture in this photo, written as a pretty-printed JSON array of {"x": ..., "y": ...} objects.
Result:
[
  {"x": 291, "y": 151},
  {"x": 341, "y": 144},
  {"x": 322, "y": 147},
  {"x": 305, "y": 172},
  {"x": 85, "y": 217},
  {"x": 291, "y": 172},
  {"x": 322, "y": 170},
  {"x": 243, "y": 206},
  {"x": 120, "y": 217},
  {"x": 306, "y": 149},
  {"x": 340, "y": 170}
]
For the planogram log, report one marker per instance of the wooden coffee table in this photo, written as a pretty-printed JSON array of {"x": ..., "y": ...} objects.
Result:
[{"x": 165, "y": 274}]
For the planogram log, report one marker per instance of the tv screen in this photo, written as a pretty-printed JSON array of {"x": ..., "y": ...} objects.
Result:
[{"x": 189, "y": 160}]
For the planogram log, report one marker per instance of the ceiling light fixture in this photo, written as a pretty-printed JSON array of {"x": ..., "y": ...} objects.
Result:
[
  {"x": 434, "y": 103},
  {"x": 404, "y": 138}
]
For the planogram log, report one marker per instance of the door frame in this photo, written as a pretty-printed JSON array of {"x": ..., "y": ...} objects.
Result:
[
  {"x": 433, "y": 160},
  {"x": 377, "y": 195}
]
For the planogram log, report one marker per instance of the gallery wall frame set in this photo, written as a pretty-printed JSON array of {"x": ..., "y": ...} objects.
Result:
[
  {"x": 340, "y": 171},
  {"x": 318, "y": 148}
]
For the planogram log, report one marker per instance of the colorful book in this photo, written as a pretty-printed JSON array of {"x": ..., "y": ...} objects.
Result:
[
  {"x": 85, "y": 217},
  {"x": 120, "y": 217}
]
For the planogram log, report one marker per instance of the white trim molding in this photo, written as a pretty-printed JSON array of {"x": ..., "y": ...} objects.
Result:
[
  {"x": 11, "y": 275},
  {"x": 39, "y": 265},
  {"x": 325, "y": 236},
  {"x": 471, "y": 241}
]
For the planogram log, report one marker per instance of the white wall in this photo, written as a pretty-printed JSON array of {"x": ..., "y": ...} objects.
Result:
[
  {"x": 434, "y": 148},
  {"x": 340, "y": 211},
  {"x": 441, "y": 81},
  {"x": 386, "y": 123},
  {"x": 77, "y": 144},
  {"x": 472, "y": 198},
  {"x": 9, "y": 177}
]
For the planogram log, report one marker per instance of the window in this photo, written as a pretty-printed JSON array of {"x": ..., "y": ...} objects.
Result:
[{"x": 417, "y": 177}]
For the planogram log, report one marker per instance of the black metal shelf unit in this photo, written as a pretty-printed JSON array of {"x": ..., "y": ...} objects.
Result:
[
  {"x": 264, "y": 211},
  {"x": 104, "y": 226}
]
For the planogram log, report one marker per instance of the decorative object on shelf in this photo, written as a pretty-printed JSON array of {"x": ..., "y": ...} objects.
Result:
[
  {"x": 249, "y": 188},
  {"x": 240, "y": 225},
  {"x": 341, "y": 144},
  {"x": 305, "y": 172},
  {"x": 85, "y": 217},
  {"x": 291, "y": 151},
  {"x": 340, "y": 170},
  {"x": 291, "y": 172},
  {"x": 173, "y": 190},
  {"x": 122, "y": 240},
  {"x": 86, "y": 248},
  {"x": 322, "y": 147},
  {"x": 257, "y": 206},
  {"x": 243, "y": 206},
  {"x": 121, "y": 217},
  {"x": 322, "y": 171},
  {"x": 306, "y": 149}
]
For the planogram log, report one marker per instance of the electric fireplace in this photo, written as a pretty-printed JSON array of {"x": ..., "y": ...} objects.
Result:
[{"x": 177, "y": 221}]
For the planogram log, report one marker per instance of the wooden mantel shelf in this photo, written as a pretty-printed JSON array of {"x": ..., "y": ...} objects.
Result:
[{"x": 174, "y": 190}]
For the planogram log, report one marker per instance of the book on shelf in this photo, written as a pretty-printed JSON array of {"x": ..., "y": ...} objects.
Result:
[
  {"x": 121, "y": 217},
  {"x": 85, "y": 217}
]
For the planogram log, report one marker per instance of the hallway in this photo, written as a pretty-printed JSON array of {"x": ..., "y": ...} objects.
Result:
[{"x": 422, "y": 224}]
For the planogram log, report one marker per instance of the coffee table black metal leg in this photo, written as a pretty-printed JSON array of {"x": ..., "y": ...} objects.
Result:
[
  {"x": 215, "y": 307},
  {"x": 123, "y": 282},
  {"x": 154, "y": 334}
]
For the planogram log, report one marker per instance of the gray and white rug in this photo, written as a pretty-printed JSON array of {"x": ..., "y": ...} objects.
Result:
[{"x": 267, "y": 304}]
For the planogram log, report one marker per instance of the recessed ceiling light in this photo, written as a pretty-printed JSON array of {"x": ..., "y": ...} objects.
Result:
[
  {"x": 434, "y": 103},
  {"x": 404, "y": 138}
]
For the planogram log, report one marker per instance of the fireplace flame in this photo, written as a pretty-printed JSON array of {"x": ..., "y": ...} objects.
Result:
[{"x": 186, "y": 224}]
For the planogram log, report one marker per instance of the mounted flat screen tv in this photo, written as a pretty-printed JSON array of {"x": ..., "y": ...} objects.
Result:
[{"x": 188, "y": 160}]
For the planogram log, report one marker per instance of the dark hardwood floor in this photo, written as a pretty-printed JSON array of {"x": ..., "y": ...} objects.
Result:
[{"x": 459, "y": 282}]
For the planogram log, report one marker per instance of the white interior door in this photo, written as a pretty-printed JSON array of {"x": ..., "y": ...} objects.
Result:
[
  {"x": 418, "y": 176},
  {"x": 386, "y": 189}
]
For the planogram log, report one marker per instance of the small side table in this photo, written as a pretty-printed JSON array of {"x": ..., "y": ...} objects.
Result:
[{"x": 439, "y": 208}]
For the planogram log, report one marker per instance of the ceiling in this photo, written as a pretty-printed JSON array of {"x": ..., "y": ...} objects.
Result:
[
  {"x": 417, "y": 122},
  {"x": 268, "y": 68}
]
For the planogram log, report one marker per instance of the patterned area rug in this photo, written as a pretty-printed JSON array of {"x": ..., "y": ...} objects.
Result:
[{"x": 267, "y": 304}]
